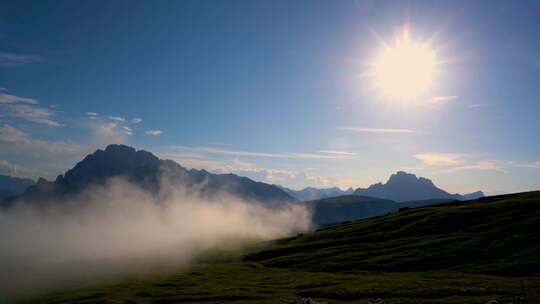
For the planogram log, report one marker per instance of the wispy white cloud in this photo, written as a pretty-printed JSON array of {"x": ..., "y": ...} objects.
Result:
[
  {"x": 226, "y": 160},
  {"x": 6, "y": 98},
  {"x": 136, "y": 120},
  {"x": 127, "y": 130},
  {"x": 444, "y": 98},
  {"x": 242, "y": 153},
  {"x": 440, "y": 159},
  {"x": 11, "y": 135},
  {"x": 153, "y": 132},
  {"x": 531, "y": 165},
  {"x": 31, "y": 113},
  {"x": 8, "y": 168},
  {"x": 481, "y": 165},
  {"x": 376, "y": 130},
  {"x": 10, "y": 60},
  {"x": 26, "y": 108},
  {"x": 437, "y": 100},
  {"x": 14, "y": 141},
  {"x": 289, "y": 178},
  {"x": 451, "y": 162},
  {"x": 108, "y": 133},
  {"x": 117, "y": 118},
  {"x": 334, "y": 152}
]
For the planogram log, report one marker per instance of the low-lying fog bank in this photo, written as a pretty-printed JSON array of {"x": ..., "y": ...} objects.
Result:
[{"x": 117, "y": 230}]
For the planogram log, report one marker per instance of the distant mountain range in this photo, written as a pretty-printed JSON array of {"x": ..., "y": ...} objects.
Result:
[
  {"x": 311, "y": 193},
  {"x": 400, "y": 187},
  {"x": 352, "y": 207},
  {"x": 10, "y": 186},
  {"x": 403, "y": 186},
  {"x": 145, "y": 169}
]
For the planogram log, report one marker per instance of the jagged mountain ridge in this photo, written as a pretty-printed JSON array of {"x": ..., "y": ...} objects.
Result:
[
  {"x": 312, "y": 193},
  {"x": 145, "y": 169},
  {"x": 13, "y": 185},
  {"x": 400, "y": 187},
  {"x": 403, "y": 186}
]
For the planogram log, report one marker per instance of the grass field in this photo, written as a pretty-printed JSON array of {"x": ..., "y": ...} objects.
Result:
[
  {"x": 471, "y": 252},
  {"x": 255, "y": 283}
]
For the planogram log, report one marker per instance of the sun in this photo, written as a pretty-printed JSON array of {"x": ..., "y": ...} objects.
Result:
[{"x": 405, "y": 69}]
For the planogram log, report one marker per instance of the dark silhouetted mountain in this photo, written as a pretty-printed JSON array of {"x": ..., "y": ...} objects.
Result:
[
  {"x": 404, "y": 186},
  {"x": 146, "y": 170},
  {"x": 10, "y": 186},
  {"x": 311, "y": 193},
  {"x": 472, "y": 196},
  {"x": 352, "y": 207},
  {"x": 349, "y": 207}
]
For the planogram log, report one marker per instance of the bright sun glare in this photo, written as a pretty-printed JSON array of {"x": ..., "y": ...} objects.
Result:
[{"x": 406, "y": 69}]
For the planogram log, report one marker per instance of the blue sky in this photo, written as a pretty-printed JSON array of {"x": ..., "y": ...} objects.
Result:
[{"x": 274, "y": 90}]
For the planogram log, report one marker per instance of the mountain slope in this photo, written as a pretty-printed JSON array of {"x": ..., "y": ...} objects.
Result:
[
  {"x": 311, "y": 193},
  {"x": 497, "y": 235},
  {"x": 403, "y": 186},
  {"x": 353, "y": 207},
  {"x": 148, "y": 171},
  {"x": 13, "y": 186},
  {"x": 349, "y": 207}
]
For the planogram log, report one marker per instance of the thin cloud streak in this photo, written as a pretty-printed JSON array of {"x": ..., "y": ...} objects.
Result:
[
  {"x": 437, "y": 100},
  {"x": 117, "y": 118},
  {"x": 440, "y": 159},
  {"x": 376, "y": 130},
  {"x": 25, "y": 108},
  {"x": 10, "y": 60},
  {"x": 153, "y": 132},
  {"x": 337, "y": 152},
  {"x": 16, "y": 142},
  {"x": 451, "y": 162},
  {"x": 6, "y": 98},
  {"x": 240, "y": 153},
  {"x": 127, "y": 130},
  {"x": 8, "y": 168},
  {"x": 291, "y": 178},
  {"x": 31, "y": 113},
  {"x": 480, "y": 165},
  {"x": 444, "y": 98},
  {"x": 475, "y": 105}
]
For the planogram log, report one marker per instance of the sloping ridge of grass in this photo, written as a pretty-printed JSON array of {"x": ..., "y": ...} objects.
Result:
[{"x": 493, "y": 235}]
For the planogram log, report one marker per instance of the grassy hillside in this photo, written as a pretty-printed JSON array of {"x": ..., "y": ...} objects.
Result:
[
  {"x": 468, "y": 252},
  {"x": 497, "y": 235}
]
